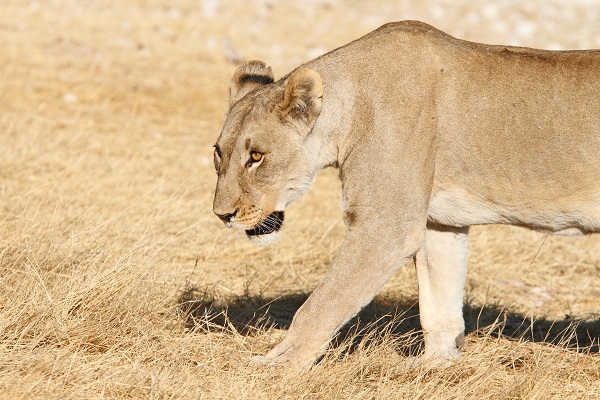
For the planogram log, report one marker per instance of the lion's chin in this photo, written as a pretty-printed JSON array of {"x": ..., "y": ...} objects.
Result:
[
  {"x": 264, "y": 240},
  {"x": 266, "y": 231}
]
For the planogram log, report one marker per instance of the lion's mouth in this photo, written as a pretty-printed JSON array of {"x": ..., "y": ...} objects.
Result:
[{"x": 269, "y": 225}]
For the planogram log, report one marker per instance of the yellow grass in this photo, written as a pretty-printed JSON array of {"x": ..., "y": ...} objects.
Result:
[{"x": 116, "y": 281}]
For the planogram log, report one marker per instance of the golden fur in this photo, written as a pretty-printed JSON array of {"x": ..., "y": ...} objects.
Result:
[{"x": 431, "y": 135}]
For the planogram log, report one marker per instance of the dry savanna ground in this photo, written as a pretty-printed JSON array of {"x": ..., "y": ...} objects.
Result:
[{"x": 116, "y": 281}]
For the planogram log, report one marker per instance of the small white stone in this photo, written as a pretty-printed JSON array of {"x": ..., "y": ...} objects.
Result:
[
  {"x": 437, "y": 12},
  {"x": 175, "y": 13},
  {"x": 70, "y": 98},
  {"x": 315, "y": 52},
  {"x": 490, "y": 11},
  {"x": 206, "y": 161},
  {"x": 209, "y": 8},
  {"x": 525, "y": 30}
]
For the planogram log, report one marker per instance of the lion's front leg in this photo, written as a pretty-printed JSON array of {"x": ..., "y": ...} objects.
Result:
[
  {"x": 361, "y": 268},
  {"x": 441, "y": 269}
]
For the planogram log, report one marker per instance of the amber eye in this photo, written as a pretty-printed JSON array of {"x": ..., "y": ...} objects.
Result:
[{"x": 255, "y": 157}]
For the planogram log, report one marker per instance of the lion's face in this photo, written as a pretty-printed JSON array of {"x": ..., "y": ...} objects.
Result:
[{"x": 261, "y": 157}]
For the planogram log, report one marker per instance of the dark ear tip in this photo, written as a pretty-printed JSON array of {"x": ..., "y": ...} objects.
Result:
[
  {"x": 248, "y": 76},
  {"x": 254, "y": 68},
  {"x": 261, "y": 79}
]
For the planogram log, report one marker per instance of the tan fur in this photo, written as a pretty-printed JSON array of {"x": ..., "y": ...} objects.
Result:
[{"x": 431, "y": 135}]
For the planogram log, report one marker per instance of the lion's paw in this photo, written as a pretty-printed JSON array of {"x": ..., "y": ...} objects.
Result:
[
  {"x": 283, "y": 363},
  {"x": 428, "y": 362}
]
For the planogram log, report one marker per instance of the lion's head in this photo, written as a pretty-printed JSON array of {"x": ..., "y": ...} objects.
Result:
[{"x": 264, "y": 158}]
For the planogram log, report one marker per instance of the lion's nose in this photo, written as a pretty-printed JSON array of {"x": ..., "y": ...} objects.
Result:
[{"x": 227, "y": 217}]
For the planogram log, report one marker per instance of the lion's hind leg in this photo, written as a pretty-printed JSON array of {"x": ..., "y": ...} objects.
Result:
[{"x": 441, "y": 271}]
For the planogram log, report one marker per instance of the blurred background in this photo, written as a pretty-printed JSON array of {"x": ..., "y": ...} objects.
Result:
[{"x": 110, "y": 255}]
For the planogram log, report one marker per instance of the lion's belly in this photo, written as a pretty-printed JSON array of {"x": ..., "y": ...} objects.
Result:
[{"x": 458, "y": 207}]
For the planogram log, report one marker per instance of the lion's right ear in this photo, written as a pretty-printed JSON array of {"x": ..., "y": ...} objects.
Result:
[
  {"x": 247, "y": 77},
  {"x": 303, "y": 97}
]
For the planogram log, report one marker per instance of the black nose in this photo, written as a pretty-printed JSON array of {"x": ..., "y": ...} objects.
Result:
[{"x": 227, "y": 217}]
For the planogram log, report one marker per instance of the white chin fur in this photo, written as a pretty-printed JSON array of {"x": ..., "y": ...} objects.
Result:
[{"x": 264, "y": 240}]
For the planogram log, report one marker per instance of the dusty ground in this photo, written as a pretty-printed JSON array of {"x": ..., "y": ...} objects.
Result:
[{"x": 116, "y": 281}]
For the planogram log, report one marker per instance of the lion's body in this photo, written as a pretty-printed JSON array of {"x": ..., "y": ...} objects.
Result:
[
  {"x": 431, "y": 135},
  {"x": 515, "y": 132}
]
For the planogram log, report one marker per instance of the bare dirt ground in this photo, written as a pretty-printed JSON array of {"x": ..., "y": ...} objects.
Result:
[{"x": 116, "y": 281}]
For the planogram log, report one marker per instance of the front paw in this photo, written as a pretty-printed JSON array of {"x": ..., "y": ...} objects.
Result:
[
  {"x": 289, "y": 360},
  {"x": 429, "y": 362}
]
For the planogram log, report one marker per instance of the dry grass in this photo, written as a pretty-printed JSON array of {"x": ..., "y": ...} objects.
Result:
[{"x": 117, "y": 282}]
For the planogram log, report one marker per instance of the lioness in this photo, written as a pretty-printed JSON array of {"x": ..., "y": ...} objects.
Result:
[{"x": 431, "y": 135}]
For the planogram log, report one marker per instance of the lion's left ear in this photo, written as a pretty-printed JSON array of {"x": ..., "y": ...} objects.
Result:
[
  {"x": 303, "y": 96},
  {"x": 247, "y": 77}
]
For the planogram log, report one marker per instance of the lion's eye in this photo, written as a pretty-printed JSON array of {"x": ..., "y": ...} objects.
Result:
[{"x": 255, "y": 157}]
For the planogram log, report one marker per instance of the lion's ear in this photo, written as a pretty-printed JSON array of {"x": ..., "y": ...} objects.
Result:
[
  {"x": 247, "y": 77},
  {"x": 303, "y": 96}
]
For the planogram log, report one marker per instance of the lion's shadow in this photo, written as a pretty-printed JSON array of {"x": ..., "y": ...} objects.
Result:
[{"x": 248, "y": 314}]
